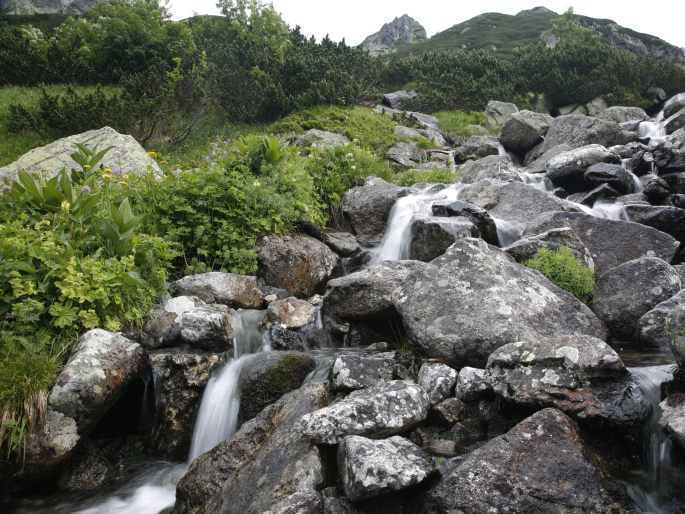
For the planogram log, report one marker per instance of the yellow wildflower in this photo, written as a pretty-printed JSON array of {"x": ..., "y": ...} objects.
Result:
[
  {"x": 65, "y": 206},
  {"x": 86, "y": 166},
  {"x": 123, "y": 182},
  {"x": 164, "y": 161},
  {"x": 256, "y": 183},
  {"x": 107, "y": 176},
  {"x": 152, "y": 154}
]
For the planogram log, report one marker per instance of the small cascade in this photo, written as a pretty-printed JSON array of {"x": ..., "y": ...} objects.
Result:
[
  {"x": 508, "y": 232},
  {"x": 538, "y": 181},
  {"x": 654, "y": 130}
]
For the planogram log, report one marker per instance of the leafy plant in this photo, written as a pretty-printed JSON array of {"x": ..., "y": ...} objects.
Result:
[
  {"x": 565, "y": 271},
  {"x": 255, "y": 152}
]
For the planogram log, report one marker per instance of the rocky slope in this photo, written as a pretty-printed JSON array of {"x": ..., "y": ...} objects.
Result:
[
  {"x": 23, "y": 7},
  {"x": 404, "y": 29}
]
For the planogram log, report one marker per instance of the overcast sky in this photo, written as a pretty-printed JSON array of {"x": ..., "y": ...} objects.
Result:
[{"x": 353, "y": 20}]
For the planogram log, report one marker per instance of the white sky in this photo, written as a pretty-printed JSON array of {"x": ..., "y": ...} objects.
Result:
[{"x": 353, "y": 20}]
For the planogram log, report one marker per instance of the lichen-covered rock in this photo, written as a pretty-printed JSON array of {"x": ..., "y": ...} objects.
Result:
[
  {"x": 237, "y": 291},
  {"x": 320, "y": 139},
  {"x": 493, "y": 166},
  {"x": 308, "y": 501},
  {"x": 552, "y": 240},
  {"x": 576, "y": 131},
  {"x": 486, "y": 226},
  {"x": 670, "y": 220},
  {"x": 472, "y": 384},
  {"x": 291, "y": 313},
  {"x": 181, "y": 375},
  {"x": 431, "y": 237},
  {"x": 359, "y": 371},
  {"x": 672, "y": 419},
  {"x": 447, "y": 412},
  {"x": 676, "y": 334},
  {"x": 536, "y": 162},
  {"x": 342, "y": 243},
  {"x": 379, "y": 411},
  {"x": 540, "y": 465},
  {"x": 613, "y": 175},
  {"x": 568, "y": 169},
  {"x": 406, "y": 154},
  {"x": 163, "y": 329},
  {"x": 619, "y": 114},
  {"x": 208, "y": 327},
  {"x": 476, "y": 147},
  {"x": 371, "y": 468},
  {"x": 625, "y": 293},
  {"x": 263, "y": 464},
  {"x": 86, "y": 471},
  {"x": 652, "y": 328},
  {"x": 497, "y": 113},
  {"x": 675, "y": 121},
  {"x": 524, "y": 130},
  {"x": 101, "y": 367},
  {"x": 298, "y": 263},
  {"x": 467, "y": 303},
  {"x": 581, "y": 375},
  {"x": 437, "y": 380}
]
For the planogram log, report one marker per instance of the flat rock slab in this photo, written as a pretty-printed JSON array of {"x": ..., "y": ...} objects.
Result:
[
  {"x": 359, "y": 371},
  {"x": 237, "y": 291}
]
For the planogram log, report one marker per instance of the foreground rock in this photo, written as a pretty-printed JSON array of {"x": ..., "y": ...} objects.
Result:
[
  {"x": 552, "y": 240},
  {"x": 541, "y": 465},
  {"x": 610, "y": 242},
  {"x": 248, "y": 473},
  {"x": 209, "y": 327},
  {"x": 568, "y": 169},
  {"x": 495, "y": 166},
  {"x": 479, "y": 217},
  {"x": 237, "y": 291},
  {"x": 299, "y": 263},
  {"x": 379, "y": 411},
  {"x": 467, "y": 303},
  {"x": 653, "y": 327},
  {"x": 623, "y": 114},
  {"x": 581, "y": 375},
  {"x": 367, "y": 208},
  {"x": 623, "y": 294},
  {"x": 437, "y": 380},
  {"x": 672, "y": 419},
  {"x": 524, "y": 130},
  {"x": 126, "y": 156},
  {"x": 370, "y": 468},
  {"x": 431, "y": 237},
  {"x": 359, "y": 371},
  {"x": 321, "y": 139}
]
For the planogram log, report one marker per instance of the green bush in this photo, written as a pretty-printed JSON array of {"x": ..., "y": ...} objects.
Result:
[{"x": 565, "y": 271}]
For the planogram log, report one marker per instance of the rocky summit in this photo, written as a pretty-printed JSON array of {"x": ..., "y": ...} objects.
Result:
[{"x": 404, "y": 29}]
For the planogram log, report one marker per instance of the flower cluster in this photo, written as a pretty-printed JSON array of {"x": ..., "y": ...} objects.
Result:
[{"x": 217, "y": 150}]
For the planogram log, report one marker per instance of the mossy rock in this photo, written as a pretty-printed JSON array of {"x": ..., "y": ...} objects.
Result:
[{"x": 269, "y": 377}]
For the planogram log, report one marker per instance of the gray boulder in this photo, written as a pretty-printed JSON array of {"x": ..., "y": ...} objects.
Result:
[
  {"x": 406, "y": 154},
  {"x": 581, "y": 375},
  {"x": 360, "y": 371},
  {"x": 342, "y": 243},
  {"x": 610, "y": 242},
  {"x": 95, "y": 376},
  {"x": 568, "y": 169},
  {"x": 602, "y": 193},
  {"x": 576, "y": 131},
  {"x": 619, "y": 114},
  {"x": 675, "y": 121},
  {"x": 676, "y": 335},
  {"x": 248, "y": 473},
  {"x": 237, "y": 291},
  {"x": 477, "y": 147},
  {"x": 380, "y": 411},
  {"x": 367, "y": 208},
  {"x": 467, "y": 303},
  {"x": 126, "y": 156},
  {"x": 449, "y": 411},
  {"x": 291, "y": 313},
  {"x": 400, "y": 99},
  {"x": 208, "y": 327},
  {"x": 497, "y": 113},
  {"x": 320, "y": 139},
  {"x": 628, "y": 291},
  {"x": 86, "y": 471},
  {"x": 672, "y": 419},
  {"x": 163, "y": 329},
  {"x": 552, "y": 240},
  {"x": 670, "y": 220},
  {"x": 486, "y": 226},
  {"x": 524, "y": 130},
  {"x": 522, "y": 472},
  {"x": 614, "y": 175},
  {"x": 472, "y": 384},
  {"x": 674, "y": 104},
  {"x": 437, "y": 380},
  {"x": 308, "y": 501},
  {"x": 536, "y": 162},
  {"x": 181, "y": 375},
  {"x": 370, "y": 468},
  {"x": 298, "y": 263},
  {"x": 493, "y": 166},
  {"x": 431, "y": 237},
  {"x": 652, "y": 328}
]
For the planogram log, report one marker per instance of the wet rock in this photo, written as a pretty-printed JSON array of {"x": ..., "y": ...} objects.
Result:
[
  {"x": 676, "y": 335},
  {"x": 670, "y": 220},
  {"x": 448, "y": 411},
  {"x": 467, "y": 303},
  {"x": 437, "y": 380},
  {"x": 86, "y": 471},
  {"x": 406, "y": 154},
  {"x": 367, "y": 294},
  {"x": 367, "y": 208},
  {"x": 95, "y": 376},
  {"x": 674, "y": 104},
  {"x": 672, "y": 419},
  {"x": 379, "y": 411},
  {"x": 164, "y": 327},
  {"x": 522, "y": 472},
  {"x": 619, "y": 114},
  {"x": 612, "y": 174},
  {"x": 603, "y": 193},
  {"x": 623, "y": 294},
  {"x": 209, "y": 327},
  {"x": 497, "y": 167},
  {"x": 610, "y": 242},
  {"x": 237, "y": 291},
  {"x": 181, "y": 375},
  {"x": 291, "y": 313},
  {"x": 577, "y": 131},
  {"x": 477, "y": 147},
  {"x": 431, "y": 237},
  {"x": 342, "y": 243},
  {"x": 479, "y": 217},
  {"x": 320, "y": 139},
  {"x": 524, "y": 130},
  {"x": 248, "y": 472},
  {"x": 568, "y": 169},
  {"x": 652, "y": 328},
  {"x": 268, "y": 376},
  {"x": 675, "y": 121},
  {"x": 497, "y": 113},
  {"x": 359, "y": 371},
  {"x": 371, "y": 468},
  {"x": 473, "y": 384},
  {"x": 581, "y": 375},
  {"x": 552, "y": 240},
  {"x": 512, "y": 201},
  {"x": 298, "y": 263},
  {"x": 271, "y": 294},
  {"x": 536, "y": 162}
]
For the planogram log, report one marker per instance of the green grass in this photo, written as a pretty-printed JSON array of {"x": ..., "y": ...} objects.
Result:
[
  {"x": 565, "y": 271},
  {"x": 457, "y": 123},
  {"x": 438, "y": 176}
]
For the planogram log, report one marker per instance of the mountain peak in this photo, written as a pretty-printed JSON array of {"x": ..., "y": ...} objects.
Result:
[
  {"x": 403, "y": 29},
  {"x": 536, "y": 10}
]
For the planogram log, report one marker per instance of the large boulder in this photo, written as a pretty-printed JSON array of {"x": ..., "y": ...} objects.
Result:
[
  {"x": 619, "y": 114},
  {"x": 581, "y": 375},
  {"x": 472, "y": 384},
  {"x": 479, "y": 217},
  {"x": 163, "y": 329},
  {"x": 670, "y": 220},
  {"x": 264, "y": 463},
  {"x": 368, "y": 207},
  {"x": 320, "y": 139},
  {"x": 181, "y": 375},
  {"x": 380, "y": 411},
  {"x": 652, "y": 328},
  {"x": 576, "y": 131},
  {"x": 623, "y": 294},
  {"x": 567, "y": 169},
  {"x": 497, "y": 113},
  {"x": 95, "y": 376},
  {"x": 498, "y": 167},
  {"x": 524, "y": 130},
  {"x": 126, "y": 156},
  {"x": 467, "y": 303},
  {"x": 672, "y": 419},
  {"x": 237, "y": 291},
  {"x": 674, "y": 104},
  {"x": 437, "y": 380},
  {"x": 342, "y": 243},
  {"x": 610, "y": 242},
  {"x": 371, "y": 468},
  {"x": 674, "y": 122},
  {"x": 359, "y": 370},
  {"x": 552, "y": 240},
  {"x": 477, "y": 147},
  {"x": 676, "y": 334},
  {"x": 512, "y": 201},
  {"x": 401, "y": 100},
  {"x": 540, "y": 465},
  {"x": 406, "y": 154},
  {"x": 291, "y": 313},
  {"x": 208, "y": 327},
  {"x": 614, "y": 175},
  {"x": 431, "y": 237},
  {"x": 298, "y": 263},
  {"x": 536, "y": 162}
]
